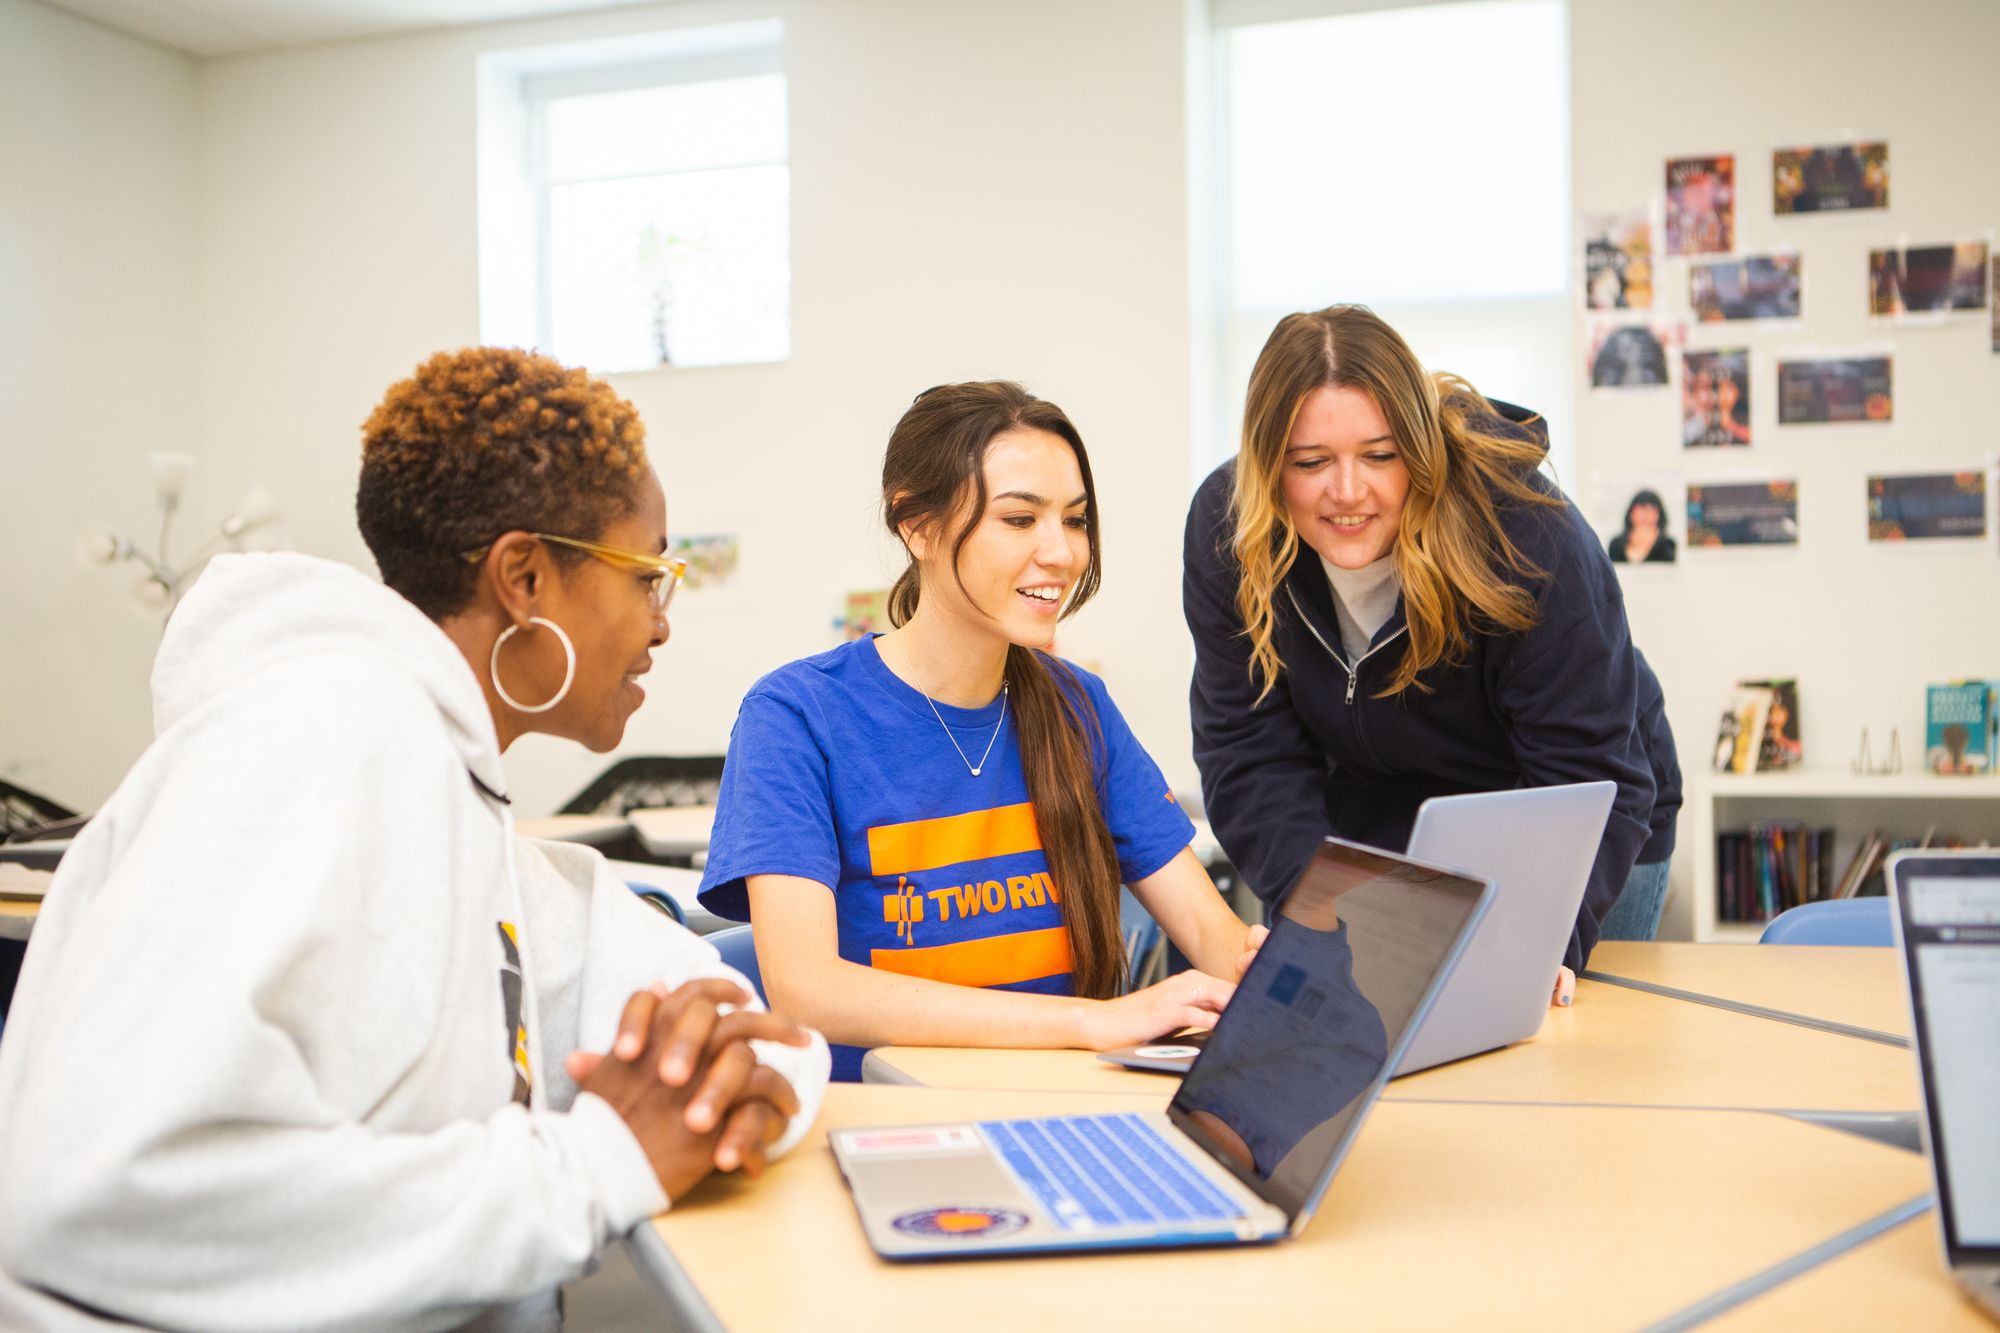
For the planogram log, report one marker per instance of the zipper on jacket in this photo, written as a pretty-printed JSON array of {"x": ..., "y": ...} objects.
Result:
[{"x": 1353, "y": 672}]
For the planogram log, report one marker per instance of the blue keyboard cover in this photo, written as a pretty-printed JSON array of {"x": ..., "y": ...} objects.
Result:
[{"x": 1096, "y": 1171}]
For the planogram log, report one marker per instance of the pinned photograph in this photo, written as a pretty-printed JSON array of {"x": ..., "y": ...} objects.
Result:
[
  {"x": 1617, "y": 261},
  {"x": 1715, "y": 398},
  {"x": 1925, "y": 506},
  {"x": 1832, "y": 179},
  {"x": 711, "y": 559},
  {"x": 1701, "y": 205},
  {"x": 1818, "y": 390},
  {"x": 1632, "y": 356},
  {"x": 1763, "y": 513},
  {"x": 1994, "y": 301},
  {"x": 1755, "y": 287},
  {"x": 1639, "y": 515},
  {"x": 1927, "y": 279}
]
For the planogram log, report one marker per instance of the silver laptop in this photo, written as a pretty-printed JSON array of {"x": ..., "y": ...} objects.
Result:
[
  {"x": 1537, "y": 845},
  {"x": 1948, "y": 928},
  {"x": 1358, "y": 950}
]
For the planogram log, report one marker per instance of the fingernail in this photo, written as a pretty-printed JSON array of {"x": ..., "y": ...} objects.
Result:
[
  {"x": 628, "y": 1046},
  {"x": 1564, "y": 1001}
]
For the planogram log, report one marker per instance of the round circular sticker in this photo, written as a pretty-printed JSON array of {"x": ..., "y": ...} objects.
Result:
[
  {"x": 961, "y": 1223},
  {"x": 1169, "y": 1052}
]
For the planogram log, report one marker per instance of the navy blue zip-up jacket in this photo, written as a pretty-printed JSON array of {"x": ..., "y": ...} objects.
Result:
[{"x": 1570, "y": 700}]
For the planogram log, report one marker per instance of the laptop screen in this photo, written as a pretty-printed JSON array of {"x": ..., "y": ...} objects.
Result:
[
  {"x": 1356, "y": 952},
  {"x": 1951, "y": 939}
]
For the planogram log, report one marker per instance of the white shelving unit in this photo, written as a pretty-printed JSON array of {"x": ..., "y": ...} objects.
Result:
[{"x": 1900, "y": 805}]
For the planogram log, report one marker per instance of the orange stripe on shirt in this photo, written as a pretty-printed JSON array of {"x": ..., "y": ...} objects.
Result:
[
  {"x": 998, "y": 961},
  {"x": 926, "y": 844}
]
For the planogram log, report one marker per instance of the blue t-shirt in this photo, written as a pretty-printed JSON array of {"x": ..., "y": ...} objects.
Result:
[{"x": 839, "y": 772}]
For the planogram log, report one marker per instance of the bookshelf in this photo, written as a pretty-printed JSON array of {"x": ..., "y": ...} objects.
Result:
[{"x": 1900, "y": 805}]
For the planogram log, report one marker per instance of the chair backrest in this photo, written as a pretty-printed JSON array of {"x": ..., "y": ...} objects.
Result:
[
  {"x": 1862, "y": 921},
  {"x": 739, "y": 950},
  {"x": 658, "y": 898}
]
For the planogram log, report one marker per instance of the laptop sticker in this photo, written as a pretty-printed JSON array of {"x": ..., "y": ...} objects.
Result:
[
  {"x": 961, "y": 1223},
  {"x": 902, "y": 1142},
  {"x": 1168, "y": 1052}
]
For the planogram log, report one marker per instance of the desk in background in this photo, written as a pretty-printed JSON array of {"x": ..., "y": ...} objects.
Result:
[
  {"x": 17, "y": 919},
  {"x": 1898, "y": 1280},
  {"x": 591, "y": 830},
  {"x": 679, "y": 831},
  {"x": 1860, "y": 989},
  {"x": 1443, "y": 1216}
]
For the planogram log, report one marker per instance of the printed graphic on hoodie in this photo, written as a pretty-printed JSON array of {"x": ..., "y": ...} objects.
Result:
[{"x": 510, "y": 1004}]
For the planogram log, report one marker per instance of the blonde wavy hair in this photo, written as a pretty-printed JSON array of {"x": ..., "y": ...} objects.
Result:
[{"x": 1460, "y": 571}]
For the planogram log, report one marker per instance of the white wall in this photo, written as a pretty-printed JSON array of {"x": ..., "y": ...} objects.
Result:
[
  {"x": 98, "y": 310},
  {"x": 1863, "y": 626},
  {"x": 990, "y": 188}
]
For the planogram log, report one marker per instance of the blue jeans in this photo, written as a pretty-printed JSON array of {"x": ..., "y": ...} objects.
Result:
[{"x": 1636, "y": 914}]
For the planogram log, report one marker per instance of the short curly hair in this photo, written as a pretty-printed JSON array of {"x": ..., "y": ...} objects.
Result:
[{"x": 485, "y": 441}]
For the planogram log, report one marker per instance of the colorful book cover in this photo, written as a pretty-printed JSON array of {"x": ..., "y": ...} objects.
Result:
[
  {"x": 1755, "y": 287},
  {"x": 1617, "y": 261},
  {"x": 1836, "y": 389},
  {"x": 1740, "y": 737},
  {"x": 1779, "y": 746},
  {"x": 1837, "y": 177},
  {"x": 1916, "y": 508},
  {"x": 1701, "y": 205},
  {"x": 1762, "y": 513},
  {"x": 1958, "y": 729},
  {"x": 1715, "y": 398}
]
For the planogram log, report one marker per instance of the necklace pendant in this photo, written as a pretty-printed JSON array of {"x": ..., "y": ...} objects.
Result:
[{"x": 975, "y": 772}]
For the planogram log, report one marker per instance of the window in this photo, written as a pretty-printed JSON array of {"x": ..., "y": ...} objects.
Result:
[
  {"x": 1413, "y": 159},
  {"x": 635, "y": 204}
]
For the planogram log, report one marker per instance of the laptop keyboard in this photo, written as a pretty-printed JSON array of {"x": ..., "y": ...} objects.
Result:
[{"x": 1095, "y": 1171}]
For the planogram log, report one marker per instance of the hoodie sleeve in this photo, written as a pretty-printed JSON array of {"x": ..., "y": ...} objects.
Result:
[
  {"x": 1568, "y": 693},
  {"x": 1263, "y": 779},
  {"x": 621, "y": 945},
  {"x": 227, "y": 1103}
]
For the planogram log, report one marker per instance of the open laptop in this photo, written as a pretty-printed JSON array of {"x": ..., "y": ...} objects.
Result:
[
  {"x": 1537, "y": 845},
  {"x": 1948, "y": 929},
  {"x": 1357, "y": 952}
]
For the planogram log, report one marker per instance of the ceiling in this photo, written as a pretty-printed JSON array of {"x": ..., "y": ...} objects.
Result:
[{"x": 231, "y": 27}]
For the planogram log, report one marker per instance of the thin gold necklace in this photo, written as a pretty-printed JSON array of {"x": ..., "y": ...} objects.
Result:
[{"x": 980, "y": 767}]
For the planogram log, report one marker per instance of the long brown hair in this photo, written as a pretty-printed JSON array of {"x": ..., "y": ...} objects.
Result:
[
  {"x": 934, "y": 472},
  {"x": 1460, "y": 571}
]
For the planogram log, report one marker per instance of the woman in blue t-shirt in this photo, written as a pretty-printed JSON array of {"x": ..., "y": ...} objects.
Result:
[{"x": 928, "y": 828}]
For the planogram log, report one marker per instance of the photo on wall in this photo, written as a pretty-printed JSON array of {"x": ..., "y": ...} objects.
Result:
[
  {"x": 1701, "y": 205},
  {"x": 1816, "y": 390},
  {"x": 1927, "y": 279},
  {"x": 1715, "y": 398},
  {"x": 1836, "y": 178},
  {"x": 1638, "y": 514},
  {"x": 711, "y": 558},
  {"x": 1993, "y": 300},
  {"x": 1755, "y": 287},
  {"x": 1922, "y": 506},
  {"x": 1617, "y": 261},
  {"x": 1632, "y": 356},
  {"x": 1759, "y": 513}
]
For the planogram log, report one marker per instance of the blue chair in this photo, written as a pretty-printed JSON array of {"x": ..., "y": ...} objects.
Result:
[
  {"x": 658, "y": 898},
  {"x": 739, "y": 950},
  {"x": 1862, "y": 921}
]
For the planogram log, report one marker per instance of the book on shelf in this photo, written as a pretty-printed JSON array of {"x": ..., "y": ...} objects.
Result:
[
  {"x": 1779, "y": 746},
  {"x": 1759, "y": 730},
  {"x": 1767, "y": 868},
  {"x": 1959, "y": 722}
]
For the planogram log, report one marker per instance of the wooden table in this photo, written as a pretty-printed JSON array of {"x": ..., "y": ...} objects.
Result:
[
  {"x": 593, "y": 830},
  {"x": 674, "y": 830},
  {"x": 1615, "y": 1046},
  {"x": 17, "y": 919},
  {"x": 1857, "y": 988},
  {"x": 1896, "y": 1281},
  {"x": 1443, "y": 1216}
]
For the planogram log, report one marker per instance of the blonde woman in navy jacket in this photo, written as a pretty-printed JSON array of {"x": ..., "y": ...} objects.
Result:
[{"x": 1389, "y": 602}]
